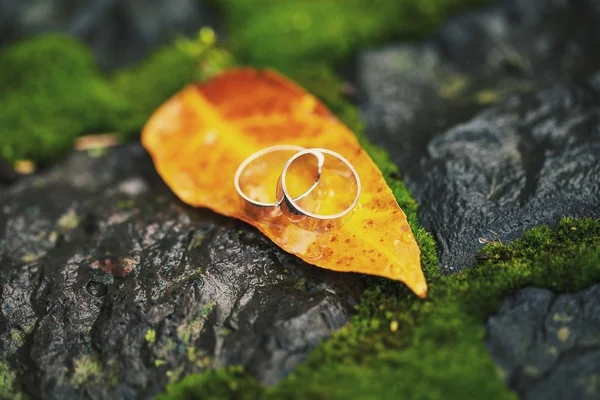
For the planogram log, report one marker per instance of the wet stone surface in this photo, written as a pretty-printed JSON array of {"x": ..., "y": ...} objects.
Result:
[
  {"x": 494, "y": 121},
  {"x": 538, "y": 337},
  {"x": 119, "y": 32},
  {"x": 111, "y": 288},
  {"x": 7, "y": 175}
]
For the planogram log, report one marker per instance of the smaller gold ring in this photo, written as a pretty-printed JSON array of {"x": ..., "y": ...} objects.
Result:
[{"x": 303, "y": 218}]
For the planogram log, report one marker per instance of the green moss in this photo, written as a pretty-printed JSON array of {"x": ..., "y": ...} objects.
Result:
[
  {"x": 113, "y": 375},
  {"x": 8, "y": 383},
  {"x": 87, "y": 370},
  {"x": 453, "y": 86},
  {"x": 436, "y": 350},
  {"x": 51, "y": 92},
  {"x": 150, "y": 336},
  {"x": 231, "y": 383},
  {"x": 488, "y": 96},
  {"x": 189, "y": 331},
  {"x": 175, "y": 374},
  {"x": 69, "y": 220},
  {"x": 16, "y": 337},
  {"x": 287, "y": 33}
]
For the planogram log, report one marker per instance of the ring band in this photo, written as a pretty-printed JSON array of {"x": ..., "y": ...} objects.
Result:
[
  {"x": 303, "y": 218},
  {"x": 256, "y": 205}
]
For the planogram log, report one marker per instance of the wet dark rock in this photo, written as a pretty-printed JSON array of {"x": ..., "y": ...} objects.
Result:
[
  {"x": 525, "y": 162},
  {"x": 119, "y": 32},
  {"x": 493, "y": 122},
  {"x": 111, "y": 287},
  {"x": 548, "y": 346},
  {"x": 7, "y": 175},
  {"x": 96, "y": 289}
]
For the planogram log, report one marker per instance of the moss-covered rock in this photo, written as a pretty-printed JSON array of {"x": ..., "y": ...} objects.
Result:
[
  {"x": 400, "y": 347},
  {"x": 51, "y": 92}
]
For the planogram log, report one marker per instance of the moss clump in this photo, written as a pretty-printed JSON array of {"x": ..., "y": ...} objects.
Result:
[
  {"x": 287, "y": 33},
  {"x": 8, "y": 386},
  {"x": 150, "y": 336},
  {"x": 231, "y": 383},
  {"x": 435, "y": 349},
  {"x": 51, "y": 92},
  {"x": 189, "y": 331},
  {"x": 87, "y": 370}
]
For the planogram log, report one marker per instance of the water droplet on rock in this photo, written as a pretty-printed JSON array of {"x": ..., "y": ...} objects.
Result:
[{"x": 96, "y": 289}]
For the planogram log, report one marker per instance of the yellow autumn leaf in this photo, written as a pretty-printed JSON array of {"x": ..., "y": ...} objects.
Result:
[{"x": 199, "y": 137}]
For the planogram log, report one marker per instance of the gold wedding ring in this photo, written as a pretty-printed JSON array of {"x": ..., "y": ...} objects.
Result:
[
  {"x": 304, "y": 209},
  {"x": 260, "y": 160},
  {"x": 313, "y": 221}
]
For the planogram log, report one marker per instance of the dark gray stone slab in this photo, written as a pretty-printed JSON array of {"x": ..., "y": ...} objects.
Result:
[
  {"x": 110, "y": 287},
  {"x": 119, "y": 32},
  {"x": 7, "y": 175},
  {"x": 548, "y": 346},
  {"x": 494, "y": 121},
  {"x": 528, "y": 161}
]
